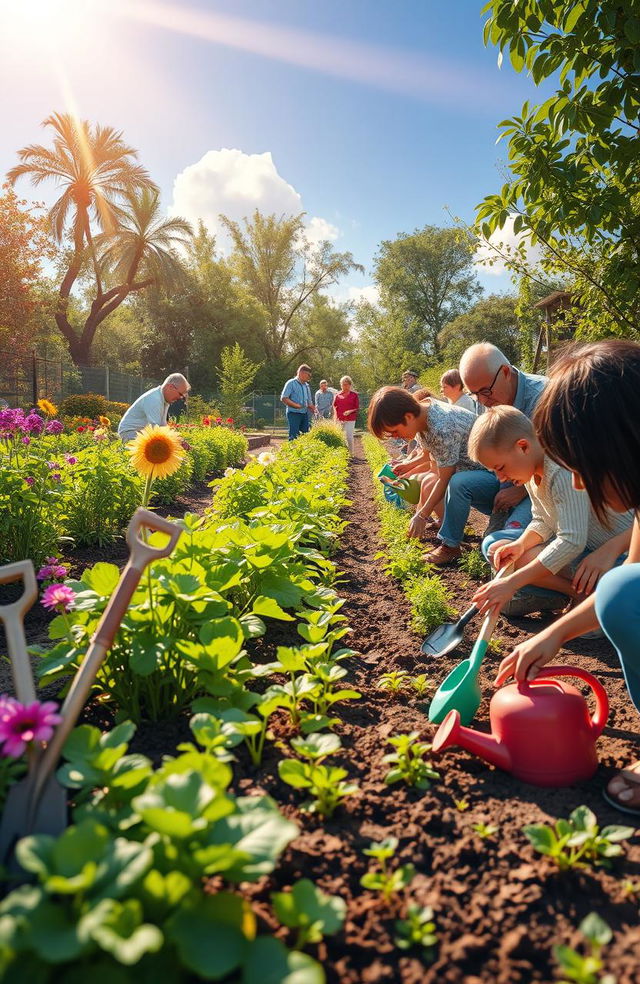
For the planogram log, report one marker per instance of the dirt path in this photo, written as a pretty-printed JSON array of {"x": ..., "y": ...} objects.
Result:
[{"x": 499, "y": 908}]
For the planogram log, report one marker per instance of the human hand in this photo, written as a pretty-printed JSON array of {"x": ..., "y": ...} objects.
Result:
[
  {"x": 506, "y": 552},
  {"x": 401, "y": 469},
  {"x": 508, "y": 498},
  {"x": 416, "y": 527},
  {"x": 592, "y": 567},
  {"x": 492, "y": 597},
  {"x": 527, "y": 659}
]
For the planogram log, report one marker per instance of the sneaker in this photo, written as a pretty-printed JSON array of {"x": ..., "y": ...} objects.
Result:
[
  {"x": 443, "y": 555},
  {"x": 529, "y": 601}
]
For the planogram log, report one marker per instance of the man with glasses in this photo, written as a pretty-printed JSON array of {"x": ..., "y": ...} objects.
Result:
[
  {"x": 296, "y": 396},
  {"x": 488, "y": 376},
  {"x": 153, "y": 406}
]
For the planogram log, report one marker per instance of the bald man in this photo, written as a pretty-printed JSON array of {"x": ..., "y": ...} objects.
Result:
[{"x": 488, "y": 375}]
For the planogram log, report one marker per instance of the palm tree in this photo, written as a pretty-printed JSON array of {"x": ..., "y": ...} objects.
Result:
[{"x": 97, "y": 171}]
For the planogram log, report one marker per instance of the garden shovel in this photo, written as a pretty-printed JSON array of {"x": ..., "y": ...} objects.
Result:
[
  {"x": 46, "y": 799},
  {"x": 446, "y": 637},
  {"x": 459, "y": 690}
]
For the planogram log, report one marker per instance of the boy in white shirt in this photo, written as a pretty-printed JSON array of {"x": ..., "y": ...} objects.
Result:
[{"x": 565, "y": 548}]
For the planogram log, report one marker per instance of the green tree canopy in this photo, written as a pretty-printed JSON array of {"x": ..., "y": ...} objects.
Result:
[
  {"x": 428, "y": 278},
  {"x": 493, "y": 319},
  {"x": 574, "y": 162},
  {"x": 236, "y": 374}
]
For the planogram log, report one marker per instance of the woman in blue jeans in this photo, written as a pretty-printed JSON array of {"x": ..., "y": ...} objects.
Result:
[{"x": 587, "y": 421}]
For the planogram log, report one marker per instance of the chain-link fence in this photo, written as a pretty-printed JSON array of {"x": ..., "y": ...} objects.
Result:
[{"x": 25, "y": 379}]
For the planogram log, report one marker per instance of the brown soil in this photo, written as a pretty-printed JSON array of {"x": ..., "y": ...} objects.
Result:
[{"x": 498, "y": 906}]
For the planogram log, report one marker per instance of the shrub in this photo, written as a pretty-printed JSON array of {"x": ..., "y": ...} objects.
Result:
[
  {"x": 430, "y": 600},
  {"x": 91, "y": 405},
  {"x": 29, "y": 511},
  {"x": 329, "y": 434},
  {"x": 100, "y": 494}
]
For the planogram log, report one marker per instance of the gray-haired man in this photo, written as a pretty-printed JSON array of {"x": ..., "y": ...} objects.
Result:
[{"x": 152, "y": 407}]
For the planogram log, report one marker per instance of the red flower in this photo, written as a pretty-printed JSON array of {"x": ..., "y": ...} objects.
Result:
[
  {"x": 206, "y": 421},
  {"x": 81, "y": 429},
  {"x": 230, "y": 420}
]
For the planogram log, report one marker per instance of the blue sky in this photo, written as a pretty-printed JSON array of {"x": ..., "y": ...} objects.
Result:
[{"x": 375, "y": 114}]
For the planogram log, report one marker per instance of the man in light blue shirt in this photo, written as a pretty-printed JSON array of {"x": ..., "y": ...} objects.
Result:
[
  {"x": 296, "y": 396},
  {"x": 324, "y": 400},
  {"x": 152, "y": 407},
  {"x": 487, "y": 375}
]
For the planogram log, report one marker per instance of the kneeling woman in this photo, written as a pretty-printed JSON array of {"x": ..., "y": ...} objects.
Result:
[
  {"x": 441, "y": 430},
  {"x": 587, "y": 421}
]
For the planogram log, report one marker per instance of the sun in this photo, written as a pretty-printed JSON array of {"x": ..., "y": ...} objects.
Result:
[{"x": 48, "y": 24}]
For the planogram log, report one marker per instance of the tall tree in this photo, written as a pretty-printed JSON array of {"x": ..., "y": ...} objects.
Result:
[
  {"x": 381, "y": 350},
  {"x": 574, "y": 185},
  {"x": 493, "y": 319},
  {"x": 236, "y": 374},
  {"x": 104, "y": 191},
  {"x": 429, "y": 275},
  {"x": 283, "y": 271}
]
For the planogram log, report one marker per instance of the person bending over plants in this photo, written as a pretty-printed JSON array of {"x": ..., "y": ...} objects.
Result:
[
  {"x": 564, "y": 546},
  {"x": 441, "y": 431},
  {"x": 587, "y": 422}
]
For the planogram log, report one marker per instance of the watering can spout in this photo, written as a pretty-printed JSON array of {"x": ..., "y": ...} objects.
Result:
[{"x": 451, "y": 732}]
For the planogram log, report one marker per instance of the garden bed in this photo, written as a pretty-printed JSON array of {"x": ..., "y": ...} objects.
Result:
[{"x": 499, "y": 907}]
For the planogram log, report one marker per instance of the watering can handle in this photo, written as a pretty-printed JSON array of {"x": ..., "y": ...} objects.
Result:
[{"x": 601, "y": 713}]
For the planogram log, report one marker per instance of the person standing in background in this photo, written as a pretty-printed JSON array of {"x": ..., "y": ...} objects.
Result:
[
  {"x": 346, "y": 406},
  {"x": 410, "y": 381},
  {"x": 296, "y": 396},
  {"x": 324, "y": 401}
]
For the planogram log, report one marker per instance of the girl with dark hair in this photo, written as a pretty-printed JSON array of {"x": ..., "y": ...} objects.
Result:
[
  {"x": 587, "y": 421},
  {"x": 441, "y": 431}
]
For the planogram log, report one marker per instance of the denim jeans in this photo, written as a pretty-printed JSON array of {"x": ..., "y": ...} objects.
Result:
[
  {"x": 298, "y": 423},
  {"x": 618, "y": 611},
  {"x": 478, "y": 489}
]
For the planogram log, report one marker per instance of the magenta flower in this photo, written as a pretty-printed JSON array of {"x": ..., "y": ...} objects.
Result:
[
  {"x": 26, "y": 440},
  {"x": 33, "y": 423},
  {"x": 29, "y": 480},
  {"x": 54, "y": 427},
  {"x": 59, "y": 597},
  {"x": 70, "y": 460},
  {"x": 21, "y": 724},
  {"x": 55, "y": 477},
  {"x": 52, "y": 568}
]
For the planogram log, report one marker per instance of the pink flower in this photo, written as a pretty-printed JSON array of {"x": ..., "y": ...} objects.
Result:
[
  {"x": 21, "y": 724},
  {"x": 54, "y": 427},
  {"x": 70, "y": 460},
  {"x": 53, "y": 568},
  {"x": 26, "y": 440},
  {"x": 29, "y": 480},
  {"x": 59, "y": 597}
]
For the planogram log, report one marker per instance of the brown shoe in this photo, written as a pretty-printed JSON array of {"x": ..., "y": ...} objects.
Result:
[{"x": 443, "y": 555}]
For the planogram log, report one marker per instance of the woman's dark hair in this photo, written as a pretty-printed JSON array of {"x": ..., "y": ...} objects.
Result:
[
  {"x": 388, "y": 408},
  {"x": 451, "y": 378},
  {"x": 587, "y": 419}
]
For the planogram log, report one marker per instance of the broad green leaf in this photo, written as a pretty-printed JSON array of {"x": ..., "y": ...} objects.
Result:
[
  {"x": 269, "y": 608},
  {"x": 208, "y": 944},
  {"x": 269, "y": 962},
  {"x": 102, "y": 578}
]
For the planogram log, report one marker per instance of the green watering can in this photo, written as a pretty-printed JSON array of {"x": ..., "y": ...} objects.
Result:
[
  {"x": 459, "y": 691},
  {"x": 407, "y": 488}
]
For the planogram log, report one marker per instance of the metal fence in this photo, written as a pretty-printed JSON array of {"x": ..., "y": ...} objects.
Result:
[{"x": 27, "y": 379}]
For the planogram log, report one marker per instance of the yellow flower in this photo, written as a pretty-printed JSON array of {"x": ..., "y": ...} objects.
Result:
[
  {"x": 105, "y": 422},
  {"x": 156, "y": 452},
  {"x": 47, "y": 407}
]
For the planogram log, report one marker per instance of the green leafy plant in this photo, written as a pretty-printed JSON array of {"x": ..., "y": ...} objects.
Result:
[
  {"x": 326, "y": 784},
  {"x": 393, "y": 681},
  {"x": 474, "y": 565},
  {"x": 431, "y": 603},
  {"x": 418, "y": 929},
  {"x": 578, "y": 841},
  {"x": 421, "y": 684},
  {"x": 585, "y": 968},
  {"x": 313, "y": 913},
  {"x": 381, "y": 879},
  {"x": 484, "y": 830},
  {"x": 461, "y": 805},
  {"x": 408, "y": 762}
]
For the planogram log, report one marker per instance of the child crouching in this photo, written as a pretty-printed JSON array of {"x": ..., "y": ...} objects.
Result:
[{"x": 565, "y": 546}]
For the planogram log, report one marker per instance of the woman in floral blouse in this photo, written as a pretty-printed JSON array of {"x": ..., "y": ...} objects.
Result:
[{"x": 441, "y": 430}]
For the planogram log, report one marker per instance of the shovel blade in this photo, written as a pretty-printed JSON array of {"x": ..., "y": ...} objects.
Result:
[
  {"x": 443, "y": 640},
  {"x": 50, "y": 816}
]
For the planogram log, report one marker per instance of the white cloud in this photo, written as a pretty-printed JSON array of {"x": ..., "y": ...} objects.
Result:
[
  {"x": 235, "y": 184},
  {"x": 507, "y": 242},
  {"x": 369, "y": 293}
]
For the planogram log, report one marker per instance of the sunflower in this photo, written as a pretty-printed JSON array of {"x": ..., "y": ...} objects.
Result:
[
  {"x": 47, "y": 407},
  {"x": 156, "y": 452},
  {"x": 105, "y": 422}
]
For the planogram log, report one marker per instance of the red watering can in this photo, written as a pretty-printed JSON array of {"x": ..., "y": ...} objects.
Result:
[{"x": 541, "y": 730}]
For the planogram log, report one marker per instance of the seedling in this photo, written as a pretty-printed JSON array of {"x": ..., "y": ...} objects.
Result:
[
  {"x": 578, "y": 841},
  {"x": 325, "y": 783},
  {"x": 421, "y": 684},
  {"x": 393, "y": 681},
  {"x": 484, "y": 830},
  {"x": 408, "y": 762},
  {"x": 474, "y": 565},
  {"x": 313, "y": 913},
  {"x": 461, "y": 805},
  {"x": 585, "y": 969},
  {"x": 384, "y": 881},
  {"x": 418, "y": 929}
]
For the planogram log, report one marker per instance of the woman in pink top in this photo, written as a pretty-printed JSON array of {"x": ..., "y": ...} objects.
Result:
[{"x": 346, "y": 406}]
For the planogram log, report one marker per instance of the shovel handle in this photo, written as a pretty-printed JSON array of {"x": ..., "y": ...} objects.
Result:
[
  {"x": 141, "y": 555},
  {"x": 11, "y": 616},
  {"x": 470, "y": 614},
  {"x": 491, "y": 618}
]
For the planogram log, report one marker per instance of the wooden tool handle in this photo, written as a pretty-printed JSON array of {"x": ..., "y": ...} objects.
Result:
[
  {"x": 11, "y": 615},
  {"x": 491, "y": 618}
]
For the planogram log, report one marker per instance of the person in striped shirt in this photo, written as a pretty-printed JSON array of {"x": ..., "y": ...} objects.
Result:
[{"x": 555, "y": 551}]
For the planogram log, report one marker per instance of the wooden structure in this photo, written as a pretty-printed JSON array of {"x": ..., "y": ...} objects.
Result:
[{"x": 552, "y": 306}]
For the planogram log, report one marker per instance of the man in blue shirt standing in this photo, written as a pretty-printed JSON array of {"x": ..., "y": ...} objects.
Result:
[
  {"x": 296, "y": 396},
  {"x": 324, "y": 400}
]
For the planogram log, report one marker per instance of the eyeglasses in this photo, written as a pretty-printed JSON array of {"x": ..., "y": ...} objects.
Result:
[{"x": 486, "y": 390}]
